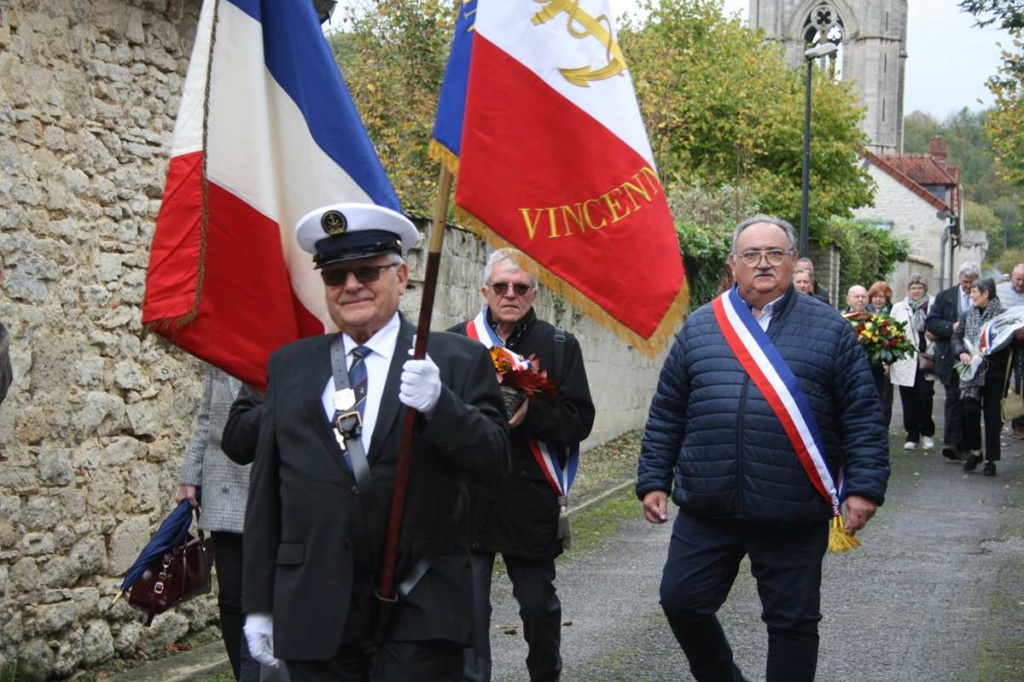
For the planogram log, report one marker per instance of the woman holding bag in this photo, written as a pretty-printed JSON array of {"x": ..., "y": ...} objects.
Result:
[{"x": 914, "y": 374}]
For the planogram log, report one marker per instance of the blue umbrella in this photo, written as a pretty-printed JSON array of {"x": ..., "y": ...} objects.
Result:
[{"x": 171, "y": 533}]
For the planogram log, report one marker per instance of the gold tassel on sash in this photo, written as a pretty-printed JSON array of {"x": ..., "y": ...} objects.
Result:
[{"x": 838, "y": 539}]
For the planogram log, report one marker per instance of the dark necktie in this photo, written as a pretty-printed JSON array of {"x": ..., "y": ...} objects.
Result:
[{"x": 357, "y": 377}]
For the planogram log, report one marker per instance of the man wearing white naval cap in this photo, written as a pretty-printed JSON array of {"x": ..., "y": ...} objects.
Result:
[{"x": 325, "y": 467}]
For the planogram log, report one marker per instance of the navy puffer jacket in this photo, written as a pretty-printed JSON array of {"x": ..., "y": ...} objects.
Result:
[{"x": 711, "y": 427}]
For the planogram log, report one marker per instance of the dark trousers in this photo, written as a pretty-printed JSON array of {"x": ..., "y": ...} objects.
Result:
[
  {"x": 884, "y": 387},
  {"x": 227, "y": 558},
  {"x": 953, "y": 415},
  {"x": 363, "y": 661},
  {"x": 985, "y": 414},
  {"x": 533, "y": 585},
  {"x": 703, "y": 560},
  {"x": 917, "y": 408}
]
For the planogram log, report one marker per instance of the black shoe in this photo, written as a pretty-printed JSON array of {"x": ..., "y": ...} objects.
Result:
[
  {"x": 972, "y": 462},
  {"x": 950, "y": 453},
  {"x": 990, "y": 469}
]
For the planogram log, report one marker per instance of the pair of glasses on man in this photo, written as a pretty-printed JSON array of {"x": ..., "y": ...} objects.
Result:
[
  {"x": 336, "y": 277},
  {"x": 753, "y": 257},
  {"x": 501, "y": 288}
]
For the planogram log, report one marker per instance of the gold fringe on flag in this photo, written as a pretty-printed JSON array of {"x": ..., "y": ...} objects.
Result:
[
  {"x": 438, "y": 152},
  {"x": 649, "y": 347},
  {"x": 838, "y": 539}
]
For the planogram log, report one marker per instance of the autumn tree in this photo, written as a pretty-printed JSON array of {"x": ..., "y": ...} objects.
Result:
[{"x": 723, "y": 108}]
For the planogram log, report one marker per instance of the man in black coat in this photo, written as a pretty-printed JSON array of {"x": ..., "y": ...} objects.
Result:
[
  {"x": 325, "y": 468},
  {"x": 519, "y": 516},
  {"x": 942, "y": 321}
]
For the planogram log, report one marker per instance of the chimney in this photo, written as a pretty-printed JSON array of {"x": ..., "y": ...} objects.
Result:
[{"x": 937, "y": 149}]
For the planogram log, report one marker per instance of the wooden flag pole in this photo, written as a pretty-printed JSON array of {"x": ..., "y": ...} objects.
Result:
[{"x": 385, "y": 590}]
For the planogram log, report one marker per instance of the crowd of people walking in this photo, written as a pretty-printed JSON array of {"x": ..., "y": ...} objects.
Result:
[
  {"x": 297, "y": 479},
  {"x": 946, "y": 333}
]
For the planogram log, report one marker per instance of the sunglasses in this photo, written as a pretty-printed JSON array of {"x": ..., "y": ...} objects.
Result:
[
  {"x": 336, "y": 277},
  {"x": 501, "y": 288}
]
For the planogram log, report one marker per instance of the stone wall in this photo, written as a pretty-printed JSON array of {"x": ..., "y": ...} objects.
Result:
[{"x": 94, "y": 427}]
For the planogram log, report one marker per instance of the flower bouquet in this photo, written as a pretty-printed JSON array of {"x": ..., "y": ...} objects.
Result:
[
  {"x": 520, "y": 378},
  {"x": 883, "y": 339}
]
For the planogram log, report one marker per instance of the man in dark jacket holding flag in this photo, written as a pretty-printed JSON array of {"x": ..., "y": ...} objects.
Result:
[
  {"x": 520, "y": 515},
  {"x": 764, "y": 422}
]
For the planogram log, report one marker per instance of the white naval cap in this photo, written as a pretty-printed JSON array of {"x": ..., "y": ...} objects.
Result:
[{"x": 349, "y": 231}]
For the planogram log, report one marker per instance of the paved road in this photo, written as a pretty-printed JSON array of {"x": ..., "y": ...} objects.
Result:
[{"x": 936, "y": 592}]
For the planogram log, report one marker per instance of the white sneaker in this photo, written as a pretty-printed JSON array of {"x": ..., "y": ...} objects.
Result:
[
  {"x": 909, "y": 445},
  {"x": 927, "y": 443}
]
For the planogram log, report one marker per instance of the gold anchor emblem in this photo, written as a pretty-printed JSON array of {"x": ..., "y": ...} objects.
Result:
[
  {"x": 591, "y": 26},
  {"x": 333, "y": 222}
]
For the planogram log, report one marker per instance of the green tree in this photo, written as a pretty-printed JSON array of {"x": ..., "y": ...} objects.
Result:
[
  {"x": 1007, "y": 14},
  {"x": 1010, "y": 259},
  {"x": 723, "y": 108},
  {"x": 918, "y": 130},
  {"x": 869, "y": 253},
  {"x": 981, "y": 218}
]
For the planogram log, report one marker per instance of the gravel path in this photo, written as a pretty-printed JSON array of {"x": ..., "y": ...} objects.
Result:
[{"x": 934, "y": 594}]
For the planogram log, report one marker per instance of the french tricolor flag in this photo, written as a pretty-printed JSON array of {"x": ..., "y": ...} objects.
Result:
[
  {"x": 538, "y": 118},
  {"x": 266, "y": 132}
]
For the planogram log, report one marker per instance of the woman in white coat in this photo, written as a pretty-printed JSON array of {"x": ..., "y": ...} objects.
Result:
[{"x": 914, "y": 374}]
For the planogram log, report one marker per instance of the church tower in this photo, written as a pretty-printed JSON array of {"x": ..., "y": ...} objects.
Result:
[{"x": 872, "y": 39}]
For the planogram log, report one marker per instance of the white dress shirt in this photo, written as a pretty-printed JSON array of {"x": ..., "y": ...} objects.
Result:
[
  {"x": 766, "y": 314},
  {"x": 377, "y": 365}
]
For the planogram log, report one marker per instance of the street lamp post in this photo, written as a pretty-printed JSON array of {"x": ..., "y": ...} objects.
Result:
[{"x": 816, "y": 52}]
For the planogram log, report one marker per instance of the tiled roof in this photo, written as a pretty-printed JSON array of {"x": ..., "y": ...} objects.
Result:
[
  {"x": 913, "y": 171},
  {"x": 923, "y": 169}
]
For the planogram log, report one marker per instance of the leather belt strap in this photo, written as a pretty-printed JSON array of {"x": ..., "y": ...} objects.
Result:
[{"x": 349, "y": 425}]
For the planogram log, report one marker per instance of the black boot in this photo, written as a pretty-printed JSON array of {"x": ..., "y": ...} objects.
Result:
[{"x": 972, "y": 462}]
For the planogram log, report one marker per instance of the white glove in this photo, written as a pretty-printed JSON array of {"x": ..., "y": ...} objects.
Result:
[
  {"x": 421, "y": 385},
  {"x": 259, "y": 634}
]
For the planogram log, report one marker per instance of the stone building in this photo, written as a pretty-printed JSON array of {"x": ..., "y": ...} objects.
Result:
[
  {"x": 94, "y": 427},
  {"x": 872, "y": 39},
  {"x": 920, "y": 199}
]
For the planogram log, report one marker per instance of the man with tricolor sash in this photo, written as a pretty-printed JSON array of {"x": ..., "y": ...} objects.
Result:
[
  {"x": 765, "y": 423},
  {"x": 522, "y": 516}
]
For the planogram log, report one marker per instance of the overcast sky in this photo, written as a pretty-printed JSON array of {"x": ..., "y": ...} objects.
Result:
[{"x": 948, "y": 59}]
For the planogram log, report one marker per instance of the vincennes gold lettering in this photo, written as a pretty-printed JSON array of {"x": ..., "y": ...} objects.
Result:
[{"x": 594, "y": 213}]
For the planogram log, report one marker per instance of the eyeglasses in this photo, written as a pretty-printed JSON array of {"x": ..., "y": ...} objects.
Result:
[
  {"x": 773, "y": 256},
  {"x": 500, "y": 288},
  {"x": 337, "y": 277}
]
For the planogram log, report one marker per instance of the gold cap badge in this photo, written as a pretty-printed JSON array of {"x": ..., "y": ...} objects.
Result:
[{"x": 334, "y": 223}]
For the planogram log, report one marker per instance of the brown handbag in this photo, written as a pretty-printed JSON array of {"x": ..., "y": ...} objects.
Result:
[
  {"x": 179, "y": 575},
  {"x": 926, "y": 362},
  {"x": 1012, "y": 404}
]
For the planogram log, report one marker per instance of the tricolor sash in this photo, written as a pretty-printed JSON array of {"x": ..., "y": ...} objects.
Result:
[
  {"x": 549, "y": 457},
  {"x": 780, "y": 387}
]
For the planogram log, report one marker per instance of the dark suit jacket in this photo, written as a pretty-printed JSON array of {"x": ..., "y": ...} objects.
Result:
[
  {"x": 241, "y": 431},
  {"x": 941, "y": 315},
  {"x": 309, "y": 554}
]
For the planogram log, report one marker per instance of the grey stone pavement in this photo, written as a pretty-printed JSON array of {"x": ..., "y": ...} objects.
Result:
[{"x": 925, "y": 598}]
